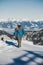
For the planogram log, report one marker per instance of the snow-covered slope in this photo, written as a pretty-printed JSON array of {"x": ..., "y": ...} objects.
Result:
[{"x": 27, "y": 54}]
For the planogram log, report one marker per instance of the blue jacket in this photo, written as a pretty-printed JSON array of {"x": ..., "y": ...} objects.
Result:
[{"x": 19, "y": 33}]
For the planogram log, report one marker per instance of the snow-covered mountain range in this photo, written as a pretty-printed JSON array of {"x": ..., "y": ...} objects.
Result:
[{"x": 26, "y": 24}]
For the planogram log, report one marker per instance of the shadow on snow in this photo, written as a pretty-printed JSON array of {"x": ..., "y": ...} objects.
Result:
[
  {"x": 31, "y": 56},
  {"x": 11, "y": 43}
]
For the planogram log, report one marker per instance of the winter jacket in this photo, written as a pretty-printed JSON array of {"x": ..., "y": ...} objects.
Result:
[{"x": 19, "y": 33}]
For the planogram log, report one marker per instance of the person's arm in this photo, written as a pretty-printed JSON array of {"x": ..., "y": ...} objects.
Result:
[
  {"x": 15, "y": 33},
  {"x": 24, "y": 32}
]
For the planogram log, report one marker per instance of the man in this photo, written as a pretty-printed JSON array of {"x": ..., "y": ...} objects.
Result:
[{"x": 19, "y": 32}]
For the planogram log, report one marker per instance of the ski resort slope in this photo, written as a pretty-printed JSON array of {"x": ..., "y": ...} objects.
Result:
[{"x": 27, "y": 54}]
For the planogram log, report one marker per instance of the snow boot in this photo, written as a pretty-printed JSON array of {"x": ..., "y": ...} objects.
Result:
[{"x": 19, "y": 44}]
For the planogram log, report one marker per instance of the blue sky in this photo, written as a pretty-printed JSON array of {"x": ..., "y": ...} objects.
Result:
[{"x": 29, "y": 9}]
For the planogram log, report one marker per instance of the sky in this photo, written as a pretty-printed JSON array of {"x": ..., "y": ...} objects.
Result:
[{"x": 21, "y": 9}]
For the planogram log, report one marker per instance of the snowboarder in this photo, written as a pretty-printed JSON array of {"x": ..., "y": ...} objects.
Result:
[{"x": 19, "y": 32}]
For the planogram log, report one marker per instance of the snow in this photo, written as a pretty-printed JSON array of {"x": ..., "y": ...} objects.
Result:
[{"x": 27, "y": 54}]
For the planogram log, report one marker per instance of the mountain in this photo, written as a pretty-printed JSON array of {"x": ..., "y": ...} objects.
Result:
[{"x": 25, "y": 24}]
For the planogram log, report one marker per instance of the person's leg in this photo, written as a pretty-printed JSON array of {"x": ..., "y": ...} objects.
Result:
[
  {"x": 2, "y": 39},
  {"x": 19, "y": 42}
]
